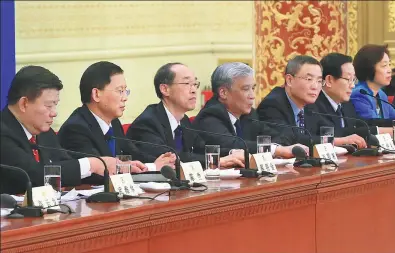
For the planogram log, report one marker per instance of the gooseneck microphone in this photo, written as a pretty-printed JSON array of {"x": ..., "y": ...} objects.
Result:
[
  {"x": 29, "y": 210},
  {"x": 307, "y": 162},
  {"x": 177, "y": 163},
  {"x": 289, "y": 126},
  {"x": 169, "y": 173},
  {"x": 246, "y": 153},
  {"x": 364, "y": 92},
  {"x": 100, "y": 197}
]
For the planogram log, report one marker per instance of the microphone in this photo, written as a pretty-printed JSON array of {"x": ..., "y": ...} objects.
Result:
[
  {"x": 361, "y": 152},
  {"x": 364, "y": 92},
  {"x": 169, "y": 173},
  {"x": 100, "y": 197},
  {"x": 177, "y": 163},
  {"x": 246, "y": 153},
  {"x": 29, "y": 210},
  {"x": 289, "y": 126},
  {"x": 306, "y": 162}
]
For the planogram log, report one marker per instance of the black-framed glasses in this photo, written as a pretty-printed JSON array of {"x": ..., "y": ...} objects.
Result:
[
  {"x": 350, "y": 80},
  {"x": 195, "y": 84},
  {"x": 310, "y": 80}
]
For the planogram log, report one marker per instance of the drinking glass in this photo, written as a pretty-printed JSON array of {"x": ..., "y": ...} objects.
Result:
[
  {"x": 212, "y": 162},
  {"x": 263, "y": 143},
  {"x": 120, "y": 166},
  {"x": 327, "y": 134}
]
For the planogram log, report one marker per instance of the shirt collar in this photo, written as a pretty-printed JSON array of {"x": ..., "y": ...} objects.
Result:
[
  {"x": 173, "y": 121},
  {"x": 295, "y": 108},
  {"x": 233, "y": 119},
  {"x": 28, "y": 134},
  {"x": 103, "y": 125},
  {"x": 333, "y": 103}
]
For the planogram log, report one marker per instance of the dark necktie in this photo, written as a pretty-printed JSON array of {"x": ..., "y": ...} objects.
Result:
[
  {"x": 301, "y": 120},
  {"x": 35, "y": 151},
  {"x": 340, "y": 114},
  {"x": 239, "y": 132},
  {"x": 178, "y": 139},
  {"x": 111, "y": 141}
]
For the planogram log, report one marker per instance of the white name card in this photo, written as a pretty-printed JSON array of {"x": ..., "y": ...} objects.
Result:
[
  {"x": 123, "y": 184},
  {"x": 264, "y": 162},
  {"x": 386, "y": 141},
  {"x": 193, "y": 172},
  {"x": 326, "y": 151},
  {"x": 44, "y": 196}
]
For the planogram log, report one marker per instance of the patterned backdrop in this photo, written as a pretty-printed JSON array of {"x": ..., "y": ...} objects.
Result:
[{"x": 288, "y": 28}]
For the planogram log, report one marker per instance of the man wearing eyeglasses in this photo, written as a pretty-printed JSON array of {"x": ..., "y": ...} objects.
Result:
[
  {"x": 339, "y": 80},
  {"x": 176, "y": 86},
  {"x": 90, "y": 127},
  {"x": 286, "y": 105}
]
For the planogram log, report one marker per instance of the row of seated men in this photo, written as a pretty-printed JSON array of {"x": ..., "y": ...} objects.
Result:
[{"x": 324, "y": 86}]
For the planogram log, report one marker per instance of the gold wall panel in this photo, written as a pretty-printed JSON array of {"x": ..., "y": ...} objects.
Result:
[
  {"x": 284, "y": 29},
  {"x": 352, "y": 28},
  {"x": 391, "y": 16}
]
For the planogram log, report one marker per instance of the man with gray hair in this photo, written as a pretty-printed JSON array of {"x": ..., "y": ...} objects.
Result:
[{"x": 230, "y": 111}]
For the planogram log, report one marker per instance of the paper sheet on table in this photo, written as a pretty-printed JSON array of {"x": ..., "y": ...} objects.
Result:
[
  {"x": 71, "y": 195},
  {"x": 18, "y": 198},
  {"x": 6, "y": 211},
  {"x": 283, "y": 161},
  {"x": 88, "y": 193}
]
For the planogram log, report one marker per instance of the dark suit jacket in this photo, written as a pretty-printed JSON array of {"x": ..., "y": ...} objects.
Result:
[
  {"x": 81, "y": 132},
  {"x": 276, "y": 108},
  {"x": 153, "y": 125},
  {"x": 16, "y": 151},
  {"x": 351, "y": 126},
  {"x": 215, "y": 118}
]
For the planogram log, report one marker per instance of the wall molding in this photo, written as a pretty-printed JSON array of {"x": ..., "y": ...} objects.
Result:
[{"x": 133, "y": 52}]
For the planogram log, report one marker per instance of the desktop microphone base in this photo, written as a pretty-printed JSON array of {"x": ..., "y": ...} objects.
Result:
[
  {"x": 26, "y": 211},
  {"x": 367, "y": 152},
  {"x": 103, "y": 197}
]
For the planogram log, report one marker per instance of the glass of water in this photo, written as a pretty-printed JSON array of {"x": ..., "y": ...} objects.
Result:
[
  {"x": 393, "y": 130},
  {"x": 212, "y": 162},
  {"x": 122, "y": 167},
  {"x": 327, "y": 134},
  {"x": 52, "y": 177},
  {"x": 263, "y": 143}
]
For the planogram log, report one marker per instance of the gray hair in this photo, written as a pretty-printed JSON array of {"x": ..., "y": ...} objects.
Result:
[
  {"x": 225, "y": 74},
  {"x": 297, "y": 62}
]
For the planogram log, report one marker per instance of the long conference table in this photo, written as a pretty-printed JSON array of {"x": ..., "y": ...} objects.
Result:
[{"x": 350, "y": 209}]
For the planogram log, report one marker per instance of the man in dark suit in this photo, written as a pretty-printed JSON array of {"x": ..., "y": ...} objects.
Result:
[
  {"x": 176, "y": 85},
  {"x": 230, "y": 111},
  {"x": 89, "y": 128},
  {"x": 339, "y": 76},
  {"x": 26, "y": 120},
  {"x": 286, "y": 105}
]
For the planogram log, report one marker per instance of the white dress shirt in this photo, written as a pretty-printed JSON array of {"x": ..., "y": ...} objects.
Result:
[
  {"x": 85, "y": 166},
  {"x": 233, "y": 120},
  {"x": 105, "y": 127}
]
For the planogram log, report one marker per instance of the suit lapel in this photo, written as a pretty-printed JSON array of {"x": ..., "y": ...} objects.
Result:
[
  {"x": 96, "y": 130},
  {"x": 329, "y": 109},
  {"x": 289, "y": 112},
  {"x": 164, "y": 120}
]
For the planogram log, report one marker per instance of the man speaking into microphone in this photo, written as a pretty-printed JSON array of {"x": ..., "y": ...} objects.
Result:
[
  {"x": 230, "y": 111},
  {"x": 334, "y": 99},
  {"x": 26, "y": 120},
  {"x": 175, "y": 85},
  {"x": 89, "y": 128}
]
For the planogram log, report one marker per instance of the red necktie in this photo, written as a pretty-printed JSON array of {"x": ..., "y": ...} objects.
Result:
[{"x": 35, "y": 151}]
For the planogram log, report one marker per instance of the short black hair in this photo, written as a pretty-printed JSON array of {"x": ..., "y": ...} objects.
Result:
[
  {"x": 295, "y": 64},
  {"x": 164, "y": 75},
  {"x": 97, "y": 75},
  {"x": 332, "y": 64},
  {"x": 366, "y": 59},
  {"x": 30, "y": 81}
]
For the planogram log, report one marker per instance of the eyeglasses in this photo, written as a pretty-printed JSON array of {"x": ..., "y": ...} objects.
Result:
[
  {"x": 122, "y": 92},
  {"x": 311, "y": 80},
  {"x": 195, "y": 84},
  {"x": 350, "y": 80}
]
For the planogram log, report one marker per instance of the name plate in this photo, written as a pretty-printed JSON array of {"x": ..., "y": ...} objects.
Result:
[
  {"x": 44, "y": 196},
  {"x": 123, "y": 184},
  {"x": 193, "y": 172},
  {"x": 264, "y": 162},
  {"x": 386, "y": 141},
  {"x": 326, "y": 151}
]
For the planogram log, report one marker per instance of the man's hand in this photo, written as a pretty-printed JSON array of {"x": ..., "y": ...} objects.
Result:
[
  {"x": 168, "y": 159},
  {"x": 351, "y": 139},
  {"x": 286, "y": 151},
  {"x": 136, "y": 166},
  {"x": 97, "y": 166},
  {"x": 231, "y": 161}
]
